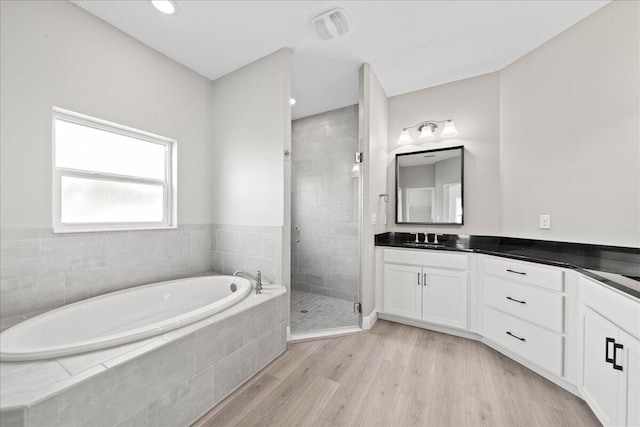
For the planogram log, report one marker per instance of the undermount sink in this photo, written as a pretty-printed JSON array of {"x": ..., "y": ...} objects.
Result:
[{"x": 430, "y": 245}]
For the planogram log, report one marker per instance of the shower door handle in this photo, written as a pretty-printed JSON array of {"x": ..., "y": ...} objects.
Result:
[{"x": 297, "y": 234}]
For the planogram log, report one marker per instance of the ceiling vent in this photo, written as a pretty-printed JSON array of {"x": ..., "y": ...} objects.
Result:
[{"x": 331, "y": 24}]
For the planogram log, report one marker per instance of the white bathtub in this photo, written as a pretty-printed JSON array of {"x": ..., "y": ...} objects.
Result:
[{"x": 121, "y": 317}]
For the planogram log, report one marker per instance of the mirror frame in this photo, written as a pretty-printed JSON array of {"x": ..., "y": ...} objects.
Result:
[{"x": 398, "y": 155}]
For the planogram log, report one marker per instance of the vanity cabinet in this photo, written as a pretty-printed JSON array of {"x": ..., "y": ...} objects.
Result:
[
  {"x": 610, "y": 378},
  {"x": 571, "y": 329},
  {"x": 419, "y": 286},
  {"x": 523, "y": 310}
]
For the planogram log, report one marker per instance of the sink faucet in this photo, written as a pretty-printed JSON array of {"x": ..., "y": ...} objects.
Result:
[{"x": 257, "y": 278}]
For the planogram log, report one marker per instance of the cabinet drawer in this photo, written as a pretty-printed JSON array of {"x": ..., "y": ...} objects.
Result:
[
  {"x": 535, "y": 305},
  {"x": 526, "y": 272},
  {"x": 427, "y": 258},
  {"x": 541, "y": 347},
  {"x": 623, "y": 311}
]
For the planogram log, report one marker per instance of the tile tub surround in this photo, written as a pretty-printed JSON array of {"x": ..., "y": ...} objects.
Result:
[
  {"x": 325, "y": 204},
  {"x": 167, "y": 380},
  {"x": 249, "y": 248},
  {"x": 40, "y": 270}
]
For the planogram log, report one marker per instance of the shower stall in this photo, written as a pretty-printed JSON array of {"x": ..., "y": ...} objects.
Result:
[{"x": 325, "y": 221}]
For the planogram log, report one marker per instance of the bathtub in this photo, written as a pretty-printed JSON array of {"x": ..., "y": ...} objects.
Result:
[{"x": 121, "y": 317}]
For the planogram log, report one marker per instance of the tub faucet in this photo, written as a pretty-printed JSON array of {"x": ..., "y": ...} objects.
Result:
[{"x": 257, "y": 278}]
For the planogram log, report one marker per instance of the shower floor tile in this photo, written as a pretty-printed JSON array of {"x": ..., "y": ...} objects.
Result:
[{"x": 321, "y": 312}]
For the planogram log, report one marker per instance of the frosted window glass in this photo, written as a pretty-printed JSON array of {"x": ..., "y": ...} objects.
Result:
[
  {"x": 86, "y": 201},
  {"x": 86, "y": 148}
]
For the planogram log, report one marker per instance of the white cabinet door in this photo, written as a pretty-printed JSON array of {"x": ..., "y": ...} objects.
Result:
[
  {"x": 600, "y": 382},
  {"x": 403, "y": 290},
  {"x": 631, "y": 372},
  {"x": 444, "y": 297}
]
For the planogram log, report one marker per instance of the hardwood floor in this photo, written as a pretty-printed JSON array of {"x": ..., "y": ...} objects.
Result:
[{"x": 397, "y": 375}]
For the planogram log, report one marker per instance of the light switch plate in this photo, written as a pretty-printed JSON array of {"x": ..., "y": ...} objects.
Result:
[
  {"x": 545, "y": 222},
  {"x": 374, "y": 219}
]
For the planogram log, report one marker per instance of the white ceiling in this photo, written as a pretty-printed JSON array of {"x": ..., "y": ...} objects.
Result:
[{"x": 410, "y": 44}]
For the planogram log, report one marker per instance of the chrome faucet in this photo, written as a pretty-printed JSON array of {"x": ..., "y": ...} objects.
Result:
[{"x": 257, "y": 278}]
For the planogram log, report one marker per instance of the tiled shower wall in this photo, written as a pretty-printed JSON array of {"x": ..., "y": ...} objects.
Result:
[
  {"x": 325, "y": 194},
  {"x": 40, "y": 270}
]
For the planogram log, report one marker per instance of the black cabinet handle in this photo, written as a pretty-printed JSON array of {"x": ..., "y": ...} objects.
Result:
[
  {"x": 418, "y": 279},
  {"x": 606, "y": 349},
  {"x": 616, "y": 346},
  {"x": 516, "y": 272},
  {"x": 515, "y": 300},
  {"x": 516, "y": 337}
]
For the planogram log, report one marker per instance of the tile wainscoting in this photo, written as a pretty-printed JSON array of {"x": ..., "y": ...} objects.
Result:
[
  {"x": 249, "y": 248},
  {"x": 40, "y": 270}
]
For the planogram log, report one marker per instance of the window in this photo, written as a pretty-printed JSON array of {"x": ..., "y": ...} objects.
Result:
[{"x": 110, "y": 177}]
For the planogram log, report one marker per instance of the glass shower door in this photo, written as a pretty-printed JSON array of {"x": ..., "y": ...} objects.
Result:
[{"x": 325, "y": 259}]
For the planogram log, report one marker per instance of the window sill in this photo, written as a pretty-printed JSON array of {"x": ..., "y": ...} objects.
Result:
[{"x": 65, "y": 230}]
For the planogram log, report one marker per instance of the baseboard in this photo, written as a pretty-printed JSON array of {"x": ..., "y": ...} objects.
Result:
[{"x": 369, "y": 321}]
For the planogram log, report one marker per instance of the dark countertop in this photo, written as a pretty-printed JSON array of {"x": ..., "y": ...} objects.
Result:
[{"x": 585, "y": 258}]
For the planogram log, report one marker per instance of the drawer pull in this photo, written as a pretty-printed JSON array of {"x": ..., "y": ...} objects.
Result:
[
  {"x": 516, "y": 272},
  {"x": 516, "y": 337},
  {"x": 515, "y": 300}
]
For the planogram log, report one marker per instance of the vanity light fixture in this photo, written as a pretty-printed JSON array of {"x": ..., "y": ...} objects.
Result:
[
  {"x": 405, "y": 137},
  {"x": 167, "y": 7},
  {"x": 449, "y": 129},
  {"x": 427, "y": 129}
]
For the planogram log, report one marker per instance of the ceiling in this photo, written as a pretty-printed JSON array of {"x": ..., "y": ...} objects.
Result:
[{"x": 410, "y": 44}]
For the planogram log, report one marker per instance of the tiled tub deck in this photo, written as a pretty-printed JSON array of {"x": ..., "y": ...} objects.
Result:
[{"x": 166, "y": 380}]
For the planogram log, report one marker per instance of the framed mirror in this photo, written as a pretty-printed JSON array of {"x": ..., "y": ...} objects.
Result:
[{"x": 430, "y": 186}]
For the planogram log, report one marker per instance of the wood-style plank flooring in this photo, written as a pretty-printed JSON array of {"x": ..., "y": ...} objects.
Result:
[{"x": 397, "y": 375}]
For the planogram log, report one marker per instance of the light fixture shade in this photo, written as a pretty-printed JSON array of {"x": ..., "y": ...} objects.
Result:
[
  {"x": 405, "y": 137},
  {"x": 426, "y": 132},
  {"x": 449, "y": 129},
  {"x": 165, "y": 6}
]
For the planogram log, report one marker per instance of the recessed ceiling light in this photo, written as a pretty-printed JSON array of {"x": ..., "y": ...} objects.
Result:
[
  {"x": 292, "y": 101},
  {"x": 165, "y": 6}
]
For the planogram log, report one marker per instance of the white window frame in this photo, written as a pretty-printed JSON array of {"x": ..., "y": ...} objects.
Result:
[{"x": 170, "y": 209}]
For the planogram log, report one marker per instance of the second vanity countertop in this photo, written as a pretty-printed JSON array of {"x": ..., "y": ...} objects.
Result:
[{"x": 618, "y": 267}]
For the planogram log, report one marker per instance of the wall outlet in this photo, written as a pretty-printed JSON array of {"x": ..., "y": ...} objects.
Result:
[
  {"x": 374, "y": 219},
  {"x": 545, "y": 222}
]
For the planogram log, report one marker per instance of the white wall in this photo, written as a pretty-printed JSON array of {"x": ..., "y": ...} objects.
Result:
[
  {"x": 56, "y": 54},
  {"x": 570, "y": 133},
  {"x": 373, "y": 133},
  {"x": 251, "y": 128},
  {"x": 473, "y": 104}
]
